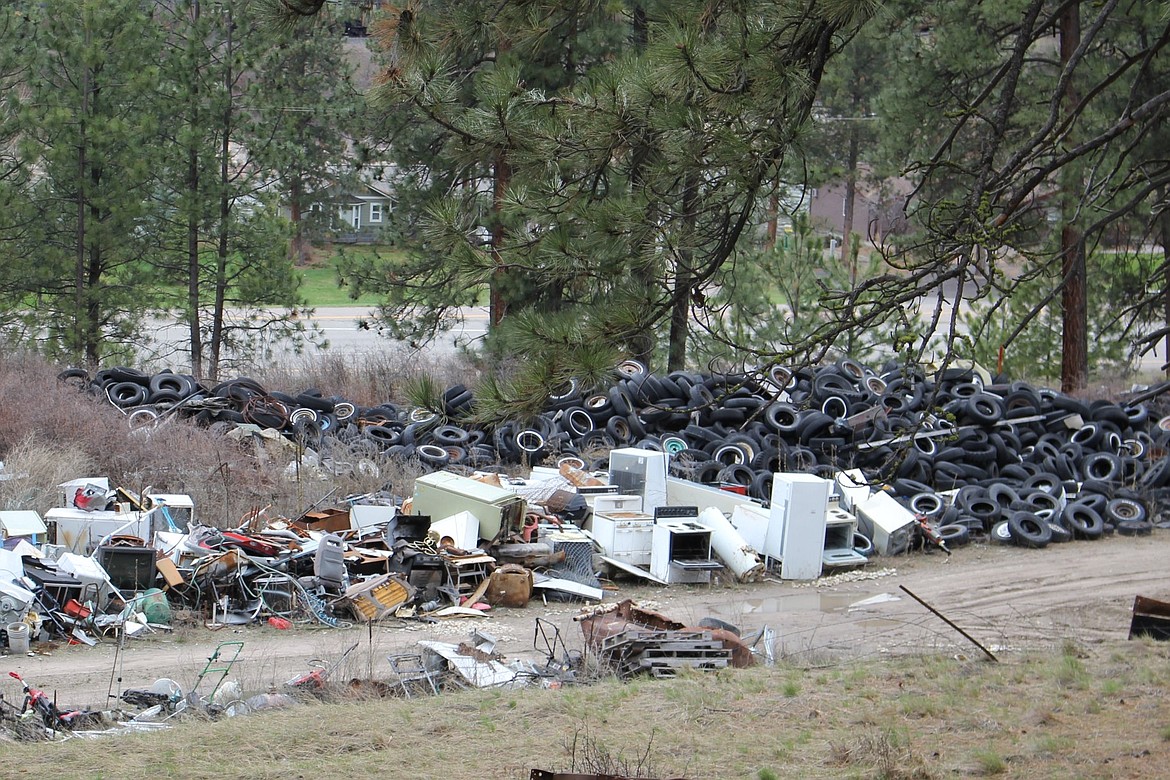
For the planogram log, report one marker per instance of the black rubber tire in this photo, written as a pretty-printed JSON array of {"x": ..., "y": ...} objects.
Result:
[
  {"x": 954, "y": 534},
  {"x": 432, "y": 455},
  {"x": 1059, "y": 533},
  {"x": 1135, "y": 528},
  {"x": 761, "y": 486},
  {"x": 1101, "y": 466},
  {"x": 1156, "y": 476},
  {"x": 127, "y": 374},
  {"x": 450, "y": 436},
  {"x": 180, "y": 384},
  {"x": 530, "y": 441},
  {"x": 737, "y": 474},
  {"x": 620, "y": 401},
  {"x": 1029, "y": 530},
  {"x": 984, "y": 408},
  {"x": 163, "y": 398},
  {"x": 1125, "y": 510},
  {"x": 930, "y": 505},
  {"x": 127, "y": 394}
]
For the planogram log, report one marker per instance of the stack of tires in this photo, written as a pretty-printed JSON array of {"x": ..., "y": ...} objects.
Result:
[{"x": 980, "y": 459}]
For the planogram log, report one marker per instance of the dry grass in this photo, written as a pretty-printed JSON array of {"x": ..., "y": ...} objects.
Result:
[
  {"x": 1017, "y": 718},
  {"x": 367, "y": 379},
  {"x": 52, "y": 432}
]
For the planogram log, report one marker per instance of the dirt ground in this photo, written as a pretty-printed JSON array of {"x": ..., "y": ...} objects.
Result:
[{"x": 1011, "y": 600}]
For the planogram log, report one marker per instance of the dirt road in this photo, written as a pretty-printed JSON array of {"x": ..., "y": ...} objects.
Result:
[{"x": 1010, "y": 599}]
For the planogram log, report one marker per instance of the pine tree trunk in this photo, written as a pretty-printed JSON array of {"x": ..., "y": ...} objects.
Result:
[
  {"x": 1164, "y": 220},
  {"x": 217, "y": 313},
  {"x": 680, "y": 314},
  {"x": 193, "y": 275},
  {"x": 1074, "y": 362},
  {"x": 498, "y": 305}
]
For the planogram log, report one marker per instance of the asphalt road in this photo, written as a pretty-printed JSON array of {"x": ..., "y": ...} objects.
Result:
[
  {"x": 345, "y": 333},
  {"x": 342, "y": 327}
]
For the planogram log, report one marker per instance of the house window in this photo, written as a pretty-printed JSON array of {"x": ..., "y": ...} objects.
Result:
[
  {"x": 375, "y": 212},
  {"x": 355, "y": 216}
]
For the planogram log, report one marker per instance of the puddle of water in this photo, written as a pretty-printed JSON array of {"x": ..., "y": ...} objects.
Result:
[{"x": 797, "y": 602}]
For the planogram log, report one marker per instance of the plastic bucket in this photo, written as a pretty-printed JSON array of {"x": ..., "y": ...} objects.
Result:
[{"x": 18, "y": 637}]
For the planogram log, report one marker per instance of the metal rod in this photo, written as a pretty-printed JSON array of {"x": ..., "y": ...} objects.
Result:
[{"x": 946, "y": 620}]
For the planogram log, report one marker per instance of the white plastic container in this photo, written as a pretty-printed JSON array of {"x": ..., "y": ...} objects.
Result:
[{"x": 18, "y": 638}]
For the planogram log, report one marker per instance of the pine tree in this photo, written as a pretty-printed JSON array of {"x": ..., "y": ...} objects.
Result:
[
  {"x": 86, "y": 123},
  {"x": 609, "y": 199}
]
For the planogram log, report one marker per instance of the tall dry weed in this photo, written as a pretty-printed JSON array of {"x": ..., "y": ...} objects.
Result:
[{"x": 367, "y": 378}]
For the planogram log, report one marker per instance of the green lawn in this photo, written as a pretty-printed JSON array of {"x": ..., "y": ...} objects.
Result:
[{"x": 320, "y": 285}]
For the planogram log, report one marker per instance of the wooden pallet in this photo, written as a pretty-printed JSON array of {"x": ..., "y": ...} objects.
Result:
[{"x": 663, "y": 653}]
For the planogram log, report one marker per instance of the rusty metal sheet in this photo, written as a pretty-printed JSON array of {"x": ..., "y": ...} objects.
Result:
[{"x": 1150, "y": 618}]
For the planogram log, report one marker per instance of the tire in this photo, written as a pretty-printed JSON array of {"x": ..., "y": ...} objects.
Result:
[
  {"x": 127, "y": 374},
  {"x": 761, "y": 486},
  {"x": 74, "y": 376},
  {"x": 1001, "y": 532},
  {"x": 530, "y": 441},
  {"x": 955, "y": 535},
  {"x": 1102, "y": 467},
  {"x": 782, "y": 418},
  {"x": 1125, "y": 510},
  {"x": 631, "y": 369},
  {"x": 576, "y": 421},
  {"x": 730, "y": 455},
  {"x": 738, "y": 474},
  {"x": 620, "y": 401},
  {"x": 930, "y": 505},
  {"x": 127, "y": 394},
  {"x": 432, "y": 455},
  {"x": 835, "y": 406},
  {"x": 1028, "y": 530},
  {"x": 383, "y": 435},
  {"x": 450, "y": 436},
  {"x": 1156, "y": 476},
  {"x": 163, "y": 398},
  {"x": 1135, "y": 528},
  {"x": 180, "y": 384},
  {"x": 984, "y": 408}
]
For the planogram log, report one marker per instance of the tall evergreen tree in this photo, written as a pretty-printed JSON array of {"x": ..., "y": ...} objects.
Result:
[
  {"x": 86, "y": 126},
  {"x": 613, "y": 197},
  {"x": 218, "y": 191}
]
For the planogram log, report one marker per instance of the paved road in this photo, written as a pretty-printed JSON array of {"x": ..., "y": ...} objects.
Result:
[{"x": 341, "y": 326}]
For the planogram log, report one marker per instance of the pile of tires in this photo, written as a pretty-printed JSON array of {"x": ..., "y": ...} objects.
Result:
[{"x": 996, "y": 460}]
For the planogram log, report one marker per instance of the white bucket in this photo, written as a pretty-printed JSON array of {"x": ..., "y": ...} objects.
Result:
[{"x": 18, "y": 637}]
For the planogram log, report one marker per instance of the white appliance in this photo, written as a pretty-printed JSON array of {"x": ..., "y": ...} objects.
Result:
[
  {"x": 627, "y": 536},
  {"x": 887, "y": 522},
  {"x": 681, "y": 552},
  {"x": 799, "y": 506},
  {"x": 839, "y": 529},
  {"x": 641, "y": 473}
]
